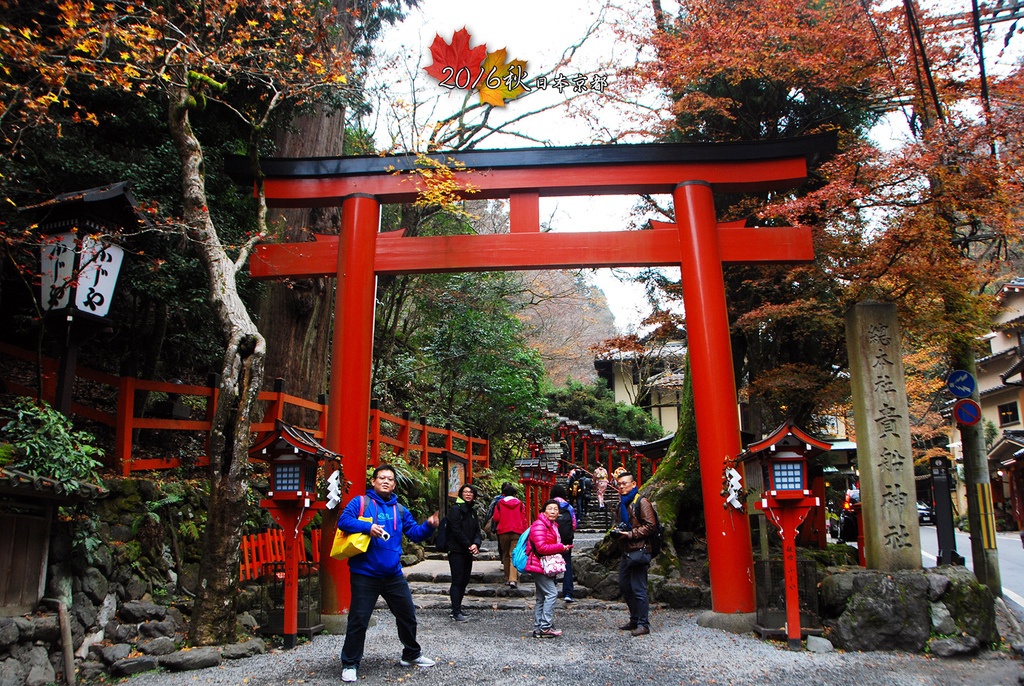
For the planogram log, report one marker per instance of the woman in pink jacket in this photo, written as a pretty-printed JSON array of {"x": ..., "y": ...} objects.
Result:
[
  {"x": 544, "y": 540},
  {"x": 510, "y": 521}
]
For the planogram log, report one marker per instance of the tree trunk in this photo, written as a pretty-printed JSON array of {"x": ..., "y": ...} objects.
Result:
[
  {"x": 213, "y": 617},
  {"x": 295, "y": 316}
]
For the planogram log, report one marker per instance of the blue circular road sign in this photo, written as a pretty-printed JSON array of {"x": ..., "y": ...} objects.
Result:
[
  {"x": 961, "y": 384},
  {"x": 966, "y": 412}
]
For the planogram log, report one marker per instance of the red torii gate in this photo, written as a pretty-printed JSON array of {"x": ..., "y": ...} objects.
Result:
[{"x": 696, "y": 242}]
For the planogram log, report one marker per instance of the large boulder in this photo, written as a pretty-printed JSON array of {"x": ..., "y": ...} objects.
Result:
[
  {"x": 836, "y": 589},
  {"x": 37, "y": 663},
  {"x": 235, "y": 651},
  {"x": 84, "y": 610},
  {"x": 899, "y": 610},
  {"x": 154, "y": 629},
  {"x": 12, "y": 673},
  {"x": 161, "y": 645},
  {"x": 136, "y": 612},
  {"x": 94, "y": 585},
  {"x": 885, "y": 612},
  {"x": 90, "y": 670},
  {"x": 607, "y": 588},
  {"x": 956, "y": 646},
  {"x": 133, "y": 665},
  {"x": 8, "y": 633},
  {"x": 116, "y": 652}
]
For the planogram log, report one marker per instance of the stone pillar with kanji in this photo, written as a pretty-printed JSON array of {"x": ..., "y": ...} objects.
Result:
[{"x": 888, "y": 495}]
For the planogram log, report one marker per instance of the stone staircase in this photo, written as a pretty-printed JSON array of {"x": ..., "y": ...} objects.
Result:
[
  {"x": 596, "y": 520},
  {"x": 429, "y": 582}
]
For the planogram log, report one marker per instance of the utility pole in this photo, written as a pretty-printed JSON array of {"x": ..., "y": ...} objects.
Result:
[{"x": 980, "y": 515}]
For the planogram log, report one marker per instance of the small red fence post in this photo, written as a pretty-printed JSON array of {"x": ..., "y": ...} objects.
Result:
[
  {"x": 424, "y": 442},
  {"x": 123, "y": 428}
]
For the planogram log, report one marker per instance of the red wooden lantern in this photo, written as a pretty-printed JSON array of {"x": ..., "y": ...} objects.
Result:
[
  {"x": 786, "y": 502},
  {"x": 294, "y": 458}
]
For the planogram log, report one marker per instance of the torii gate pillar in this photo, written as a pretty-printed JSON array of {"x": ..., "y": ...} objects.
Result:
[
  {"x": 714, "y": 393},
  {"x": 351, "y": 365}
]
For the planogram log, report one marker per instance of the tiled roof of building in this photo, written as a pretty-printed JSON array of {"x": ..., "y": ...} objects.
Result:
[
  {"x": 23, "y": 484},
  {"x": 1014, "y": 285},
  {"x": 996, "y": 356}
]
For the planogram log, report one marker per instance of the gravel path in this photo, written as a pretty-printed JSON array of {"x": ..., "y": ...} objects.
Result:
[{"x": 496, "y": 647}]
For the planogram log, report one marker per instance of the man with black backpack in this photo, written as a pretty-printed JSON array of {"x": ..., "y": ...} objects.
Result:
[
  {"x": 638, "y": 525},
  {"x": 566, "y": 522}
]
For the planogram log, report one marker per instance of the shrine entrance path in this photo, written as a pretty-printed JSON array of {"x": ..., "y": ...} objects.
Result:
[{"x": 496, "y": 647}]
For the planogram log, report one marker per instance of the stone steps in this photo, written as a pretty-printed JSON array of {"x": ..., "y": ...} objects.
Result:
[
  {"x": 596, "y": 520},
  {"x": 474, "y": 604},
  {"x": 484, "y": 555}
]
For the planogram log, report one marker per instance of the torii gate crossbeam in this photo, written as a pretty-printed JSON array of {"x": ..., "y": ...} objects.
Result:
[{"x": 696, "y": 242}]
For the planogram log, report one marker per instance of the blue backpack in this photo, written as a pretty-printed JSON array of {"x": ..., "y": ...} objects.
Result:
[{"x": 519, "y": 552}]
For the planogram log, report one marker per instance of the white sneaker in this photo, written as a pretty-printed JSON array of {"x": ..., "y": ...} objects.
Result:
[
  {"x": 421, "y": 661},
  {"x": 348, "y": 674}
]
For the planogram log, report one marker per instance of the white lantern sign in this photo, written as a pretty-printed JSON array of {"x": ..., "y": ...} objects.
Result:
[{"x": 83, "y": 273}]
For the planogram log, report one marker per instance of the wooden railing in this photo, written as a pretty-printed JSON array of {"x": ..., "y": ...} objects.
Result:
[
  {"x": 266, "y": 547},
  {"x": 401, "y": 437},
  {"x": 418, "y": 441}
]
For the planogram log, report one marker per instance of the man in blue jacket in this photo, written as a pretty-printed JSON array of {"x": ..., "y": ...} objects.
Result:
[{"x": 378, "y": 571}]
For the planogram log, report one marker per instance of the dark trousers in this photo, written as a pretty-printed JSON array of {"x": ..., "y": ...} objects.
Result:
[
  {"x": 633, "y": 586},
  {"x": 567, "y": 587},
  {"x": 461, "y": 565},
  {"x": 365, "y": 591}
]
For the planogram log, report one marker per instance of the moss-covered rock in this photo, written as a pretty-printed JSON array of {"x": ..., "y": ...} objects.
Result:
[
  {"x": 879, "y": 610},
  {"x": 885, "y": 612},
  {"x": 970, "y": 604}
]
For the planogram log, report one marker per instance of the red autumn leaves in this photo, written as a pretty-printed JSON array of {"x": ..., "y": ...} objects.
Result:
[{"x": 457, "y": 65}]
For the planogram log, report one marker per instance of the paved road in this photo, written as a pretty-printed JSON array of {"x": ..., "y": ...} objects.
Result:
[{"x": 1011, "y": 560}]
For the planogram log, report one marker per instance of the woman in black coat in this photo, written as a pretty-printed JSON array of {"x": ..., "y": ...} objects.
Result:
[{"x": 463, "y": 544}]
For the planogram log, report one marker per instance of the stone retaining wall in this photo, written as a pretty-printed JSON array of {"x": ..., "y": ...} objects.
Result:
[{"x": 114, "y": 592}]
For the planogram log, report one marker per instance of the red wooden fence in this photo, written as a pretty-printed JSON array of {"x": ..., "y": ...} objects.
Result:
[
  {"x": 404, "y": 438},
  {"x": 259, "y": 549},
  {"x": 400, "y": 436}
]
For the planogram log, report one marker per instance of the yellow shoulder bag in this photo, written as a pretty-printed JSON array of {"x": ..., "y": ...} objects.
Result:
[{"x": 347, "y": 544}]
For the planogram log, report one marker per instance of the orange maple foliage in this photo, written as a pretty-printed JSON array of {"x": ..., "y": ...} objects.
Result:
[
  {"x": 929, "y": 219},
  {"x": 277, "y": 50}
]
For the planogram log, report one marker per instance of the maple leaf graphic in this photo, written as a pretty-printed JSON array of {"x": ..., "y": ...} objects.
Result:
[
  {"x": 497, "y": 95},
  {"x": 457, "y": 55}
]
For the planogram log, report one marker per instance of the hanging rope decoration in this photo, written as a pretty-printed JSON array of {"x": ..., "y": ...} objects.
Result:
[{"x": 732, "y": 487}]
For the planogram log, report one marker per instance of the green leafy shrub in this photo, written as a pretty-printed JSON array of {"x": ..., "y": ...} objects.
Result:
[{"x": 45, "y": 444}]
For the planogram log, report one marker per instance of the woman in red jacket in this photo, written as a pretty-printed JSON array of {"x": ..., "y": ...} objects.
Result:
[
  {"x": 509, "y": 522},
  {"x": 544, "y": 540}
]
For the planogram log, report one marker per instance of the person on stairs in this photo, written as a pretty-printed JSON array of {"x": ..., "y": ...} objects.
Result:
[
  {"x": 463, "y": 545},
  {"x": 601, "y": 484},
  {"x": 509, "y": 522},
  {"x": 544, "y": 543}
]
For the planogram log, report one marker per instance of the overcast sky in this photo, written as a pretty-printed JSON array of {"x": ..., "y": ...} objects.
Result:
[{"x": 539, "y": 31}]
